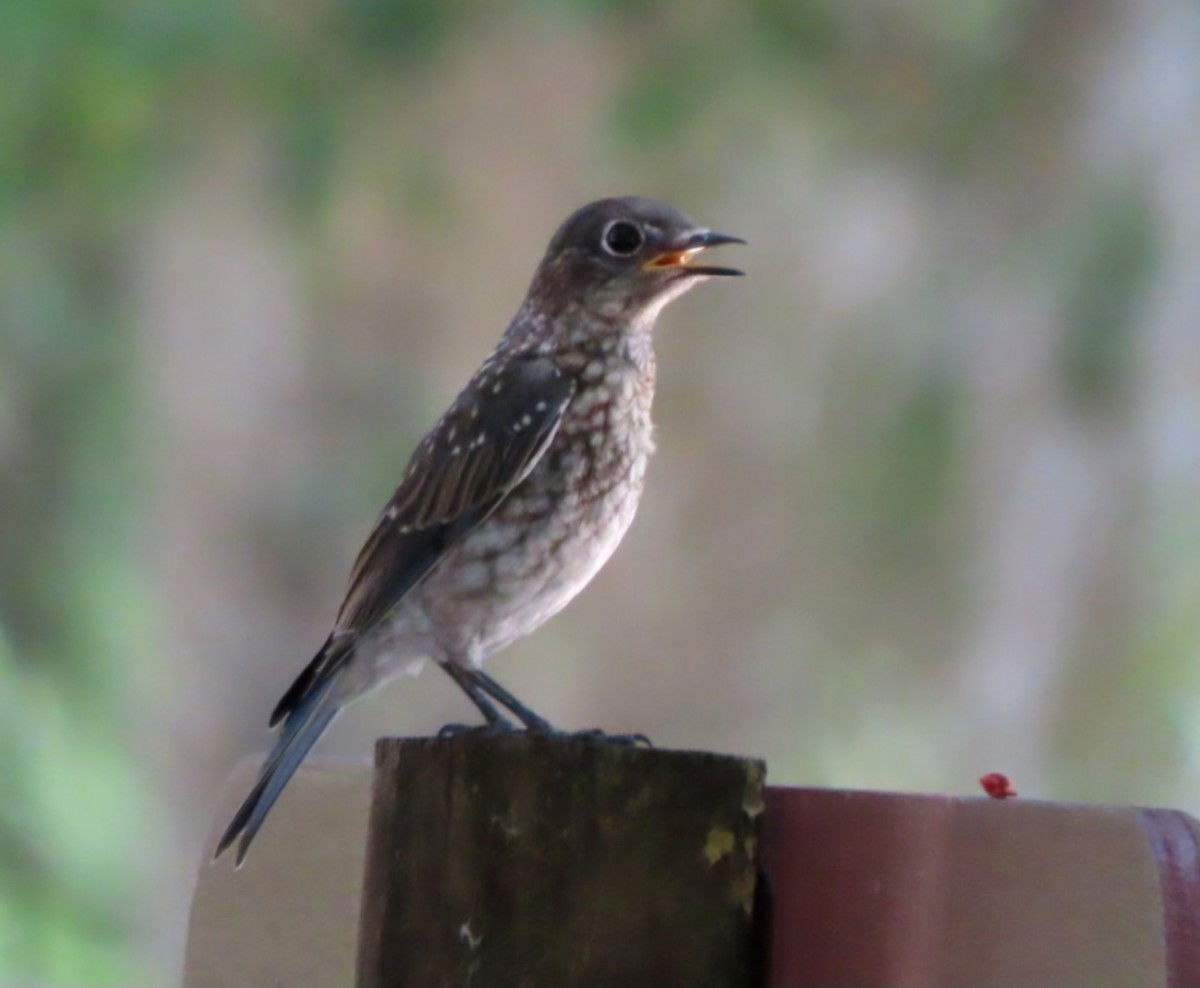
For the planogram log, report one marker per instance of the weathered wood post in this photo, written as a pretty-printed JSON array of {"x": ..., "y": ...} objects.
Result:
[{"x": 525, "y": 861}]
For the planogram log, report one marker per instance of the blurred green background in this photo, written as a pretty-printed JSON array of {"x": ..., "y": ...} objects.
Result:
[{"x": 926, "y": 497}]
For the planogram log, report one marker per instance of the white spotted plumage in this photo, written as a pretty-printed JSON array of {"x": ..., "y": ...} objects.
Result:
[{"x": 520, "y": 493}]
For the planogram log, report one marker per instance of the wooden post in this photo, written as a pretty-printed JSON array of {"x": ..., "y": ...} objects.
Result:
[{"x": 525, "y": 861}]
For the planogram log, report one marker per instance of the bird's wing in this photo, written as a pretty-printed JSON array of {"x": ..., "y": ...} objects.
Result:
[{"x": 485, "y": 445}]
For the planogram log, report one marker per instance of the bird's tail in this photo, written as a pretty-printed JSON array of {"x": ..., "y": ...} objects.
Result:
[{"x": 305, "y": 723}]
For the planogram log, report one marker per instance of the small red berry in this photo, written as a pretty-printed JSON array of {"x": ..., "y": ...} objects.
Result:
[{"x": 996, "y": 785}]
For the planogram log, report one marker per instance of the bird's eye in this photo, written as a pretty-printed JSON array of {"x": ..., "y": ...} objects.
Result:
[{"x": 622, "y": 238}]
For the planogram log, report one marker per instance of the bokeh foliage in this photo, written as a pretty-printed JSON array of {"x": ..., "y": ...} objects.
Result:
[{"x": 103, "y": 105}]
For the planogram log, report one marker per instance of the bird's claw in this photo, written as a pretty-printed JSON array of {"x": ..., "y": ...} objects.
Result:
[
  {"x": 637, "y": 740},
  {"x": 498, "y": 727},
  {"x": 485, "y": 729}
]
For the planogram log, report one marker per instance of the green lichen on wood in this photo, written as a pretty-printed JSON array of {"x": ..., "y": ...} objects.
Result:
[{"x": 533, "y": 861}]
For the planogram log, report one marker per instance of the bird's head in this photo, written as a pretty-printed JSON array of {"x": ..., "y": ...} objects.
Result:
[{"x": 621, "y": 258}]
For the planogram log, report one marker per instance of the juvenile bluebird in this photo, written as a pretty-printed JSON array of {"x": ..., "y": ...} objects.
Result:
[{"x": 520, "y": 493}]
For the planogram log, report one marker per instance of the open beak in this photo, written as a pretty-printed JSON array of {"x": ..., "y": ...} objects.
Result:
[{"x": 679, "y": 258}]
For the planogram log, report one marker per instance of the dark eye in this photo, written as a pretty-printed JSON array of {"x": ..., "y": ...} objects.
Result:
[{"x": 622, "y": 238}]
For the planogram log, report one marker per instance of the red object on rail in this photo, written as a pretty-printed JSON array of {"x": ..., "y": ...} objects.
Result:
[{"x": 998, "y": 786}]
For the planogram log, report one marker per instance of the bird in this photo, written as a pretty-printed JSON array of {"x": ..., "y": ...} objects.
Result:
[{"x": 518, "y": 495}]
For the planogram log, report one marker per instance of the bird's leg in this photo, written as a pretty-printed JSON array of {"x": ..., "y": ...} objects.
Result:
[
  {"x": 478, "y": 685},
  {"x": 494, "y": 721},
  {"x": 539, "y": 725},
  {"x": 532, "y": 721}
]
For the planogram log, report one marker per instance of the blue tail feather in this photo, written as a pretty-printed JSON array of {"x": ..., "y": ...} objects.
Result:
[{"x": 303, "y": 727}]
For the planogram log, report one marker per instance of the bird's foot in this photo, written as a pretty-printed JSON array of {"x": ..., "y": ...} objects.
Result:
[
  {"x": 638, "y": 740},
  {"x": 487, "y": 729}
]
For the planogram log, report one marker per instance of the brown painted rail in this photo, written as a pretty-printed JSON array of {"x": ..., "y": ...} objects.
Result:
[{"x": 899, "y": 890}]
